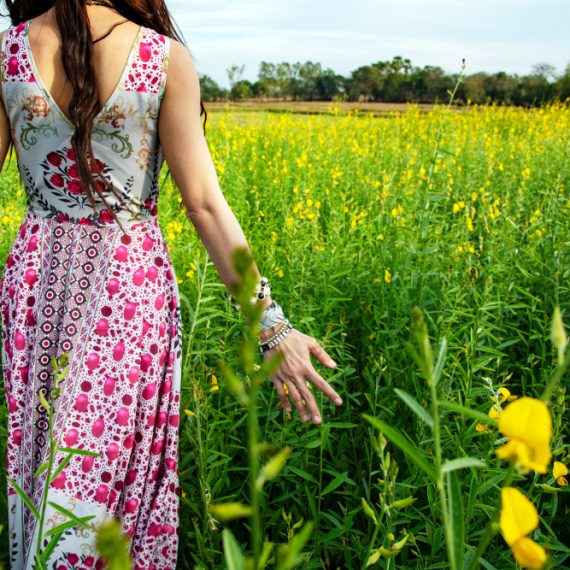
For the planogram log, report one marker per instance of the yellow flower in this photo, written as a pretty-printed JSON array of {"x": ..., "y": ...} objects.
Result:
[
  {"x": 481, "y": 427},
  {"x": 397, "y": 211},
  {"x": 495, "y": 412},
  {"x": 214, "y": 385},
  {"x": 528, "y": 424},
  {"x": 458, "y": 206},
  {"x": 519, "y": 518},
  {"x": 504, "y": 395},
  {"x": 189, "y": 413},
  {"x": 387, "y": 277},
  {"x": 559, "y": 471}
]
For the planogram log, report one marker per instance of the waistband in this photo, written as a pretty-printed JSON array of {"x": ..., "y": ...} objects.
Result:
[{"x": 64, "y": 221}]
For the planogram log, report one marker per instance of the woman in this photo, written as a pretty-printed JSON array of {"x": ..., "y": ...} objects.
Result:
[{"x": 95, "y": 94}]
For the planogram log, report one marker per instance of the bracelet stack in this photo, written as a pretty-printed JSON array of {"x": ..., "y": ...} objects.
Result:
[
  {"x": 276, "y": 338},
  {"x": 272, "y": 315}
]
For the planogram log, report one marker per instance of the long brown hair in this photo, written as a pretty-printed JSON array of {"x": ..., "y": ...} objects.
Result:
[{"x": 76, "y": 53}]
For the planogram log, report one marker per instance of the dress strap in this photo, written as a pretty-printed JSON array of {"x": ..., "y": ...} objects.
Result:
[
  {"x": 147, "y": 72},
  {"x": 15, "y": 61}
]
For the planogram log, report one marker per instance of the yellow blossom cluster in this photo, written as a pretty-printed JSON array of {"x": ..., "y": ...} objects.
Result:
[
  {"x": 173, "y": 229},
  {"x": 307, "y": 210},
  {"x": 536, "y": 230}
]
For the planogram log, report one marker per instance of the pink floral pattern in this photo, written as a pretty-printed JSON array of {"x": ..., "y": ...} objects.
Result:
[{"x": 74, "y": 282}]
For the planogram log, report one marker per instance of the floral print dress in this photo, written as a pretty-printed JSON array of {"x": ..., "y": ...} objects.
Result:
[{"x": 75, "y": 283}]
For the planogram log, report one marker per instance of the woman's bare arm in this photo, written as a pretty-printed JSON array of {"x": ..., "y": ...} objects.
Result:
[
  {"x": 190, "y": 162},
  {"x": 5, "y": 135}
]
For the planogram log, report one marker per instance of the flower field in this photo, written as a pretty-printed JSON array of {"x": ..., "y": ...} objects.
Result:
[{"x": 428, "y": 252}]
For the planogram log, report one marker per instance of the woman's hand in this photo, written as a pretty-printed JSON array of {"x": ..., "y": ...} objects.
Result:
[{"x": 295, "y": 369}]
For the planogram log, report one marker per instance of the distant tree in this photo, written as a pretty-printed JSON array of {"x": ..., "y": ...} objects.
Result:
[
  {"x": 234, "y": 74},
  {"x": 365, "y": 83},
  {"x": 545, "y": 70},
  {"x": 267, "y": 79},
  {"x": 563, "y": 84},
  {"x": 210, "y": 90},
  {"x": 501, "y": 87},
  {"x": 243, "y": 89},
  {"x": 473, "y": 88}
]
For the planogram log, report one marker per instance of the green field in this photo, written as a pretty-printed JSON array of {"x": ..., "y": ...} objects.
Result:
[{"x": 356, "y": 220}]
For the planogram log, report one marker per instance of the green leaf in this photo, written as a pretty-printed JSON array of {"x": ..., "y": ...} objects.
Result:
[
  {"x": 456, "y": 531},
  {"x": 273, "y": 467},
  {"x": 341, "y": 425},
  {"x": 334, "y": 484},
  {"x": 234, "y": 384},
  {"x": 230, "y": 511},
  {"x": 41, "y": 468},
  {"x": 414, "y": 405},
  {"x": 302, "y": 474},
  {"x": 474, "y": 414},
  {"x": 44, "y": 402},
  {"x": 72, "y": 516},
  {"x": 399, "y": 440},
  {"x": 420, "y": 332},
  {"x": 40, "y": 564},
  {"x": 232, "y": 551},
  {"x": 440, "y": 361},
  {"x": 25, "y": 498},
  {"x": 461, "y": 463},
  {"x": 75, "y": 451},
  {"x": 60, "y": 467}
]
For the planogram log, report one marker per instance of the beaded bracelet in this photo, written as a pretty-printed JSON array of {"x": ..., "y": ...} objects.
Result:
[{"x": 262, "y": 290}]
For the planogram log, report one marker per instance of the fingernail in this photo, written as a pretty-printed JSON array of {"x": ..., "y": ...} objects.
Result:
[
  {"x": 338, "y": 401},
  {"x": 288, "y": 410},
  {"x": 305, "y": 418},
  {"x": 332, "y": 363},
  {"x": 316, "y": 419}
]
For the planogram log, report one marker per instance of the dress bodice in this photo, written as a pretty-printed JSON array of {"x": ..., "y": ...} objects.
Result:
[{"x": 125, "y": 134}]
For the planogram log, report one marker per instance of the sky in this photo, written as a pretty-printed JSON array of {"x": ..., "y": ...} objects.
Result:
[{"x": 492, "y": 35}]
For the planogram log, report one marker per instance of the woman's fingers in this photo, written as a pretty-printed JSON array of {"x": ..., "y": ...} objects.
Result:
[
  {"x": 321, "y": 354},
  {"x": 283, "y": 399},
  {"x": 324, "y": 386},
  {"x": 297, "y": 400},
  {"x": 294, "y": 372},
  {"x": 310, "y": 402}
]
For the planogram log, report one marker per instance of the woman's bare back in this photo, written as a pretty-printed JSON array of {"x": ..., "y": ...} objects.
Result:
[{"x": 109, "y": 55}]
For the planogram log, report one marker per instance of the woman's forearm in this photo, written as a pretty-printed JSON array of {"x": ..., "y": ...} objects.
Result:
[{"x": 221, "y": 233}]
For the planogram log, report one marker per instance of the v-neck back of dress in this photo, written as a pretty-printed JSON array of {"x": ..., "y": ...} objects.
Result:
[
  {"x": 125, "y": 133},
  {"x": 131, "y": 55}
]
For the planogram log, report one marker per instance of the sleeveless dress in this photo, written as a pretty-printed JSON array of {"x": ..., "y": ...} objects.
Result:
[{"x": 74, "y": 283}]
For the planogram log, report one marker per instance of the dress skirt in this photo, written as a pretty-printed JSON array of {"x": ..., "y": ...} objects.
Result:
[{"x": 111, "y": 302}]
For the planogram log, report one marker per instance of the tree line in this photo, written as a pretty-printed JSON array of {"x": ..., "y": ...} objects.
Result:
[{"x": 389, "y": 81}]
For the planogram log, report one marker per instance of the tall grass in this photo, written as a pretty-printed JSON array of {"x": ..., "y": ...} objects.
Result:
[{"x": 335, "y": 210}]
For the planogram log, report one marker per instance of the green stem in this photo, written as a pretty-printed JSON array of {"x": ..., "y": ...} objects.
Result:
[
  {"x": 371, "y": 545},
  {"x": 555, "y": 378},
  {"x": 52, "y": 450},
  {"x": 439, "y": 475},
  {"x": 253, "y": 457}
]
